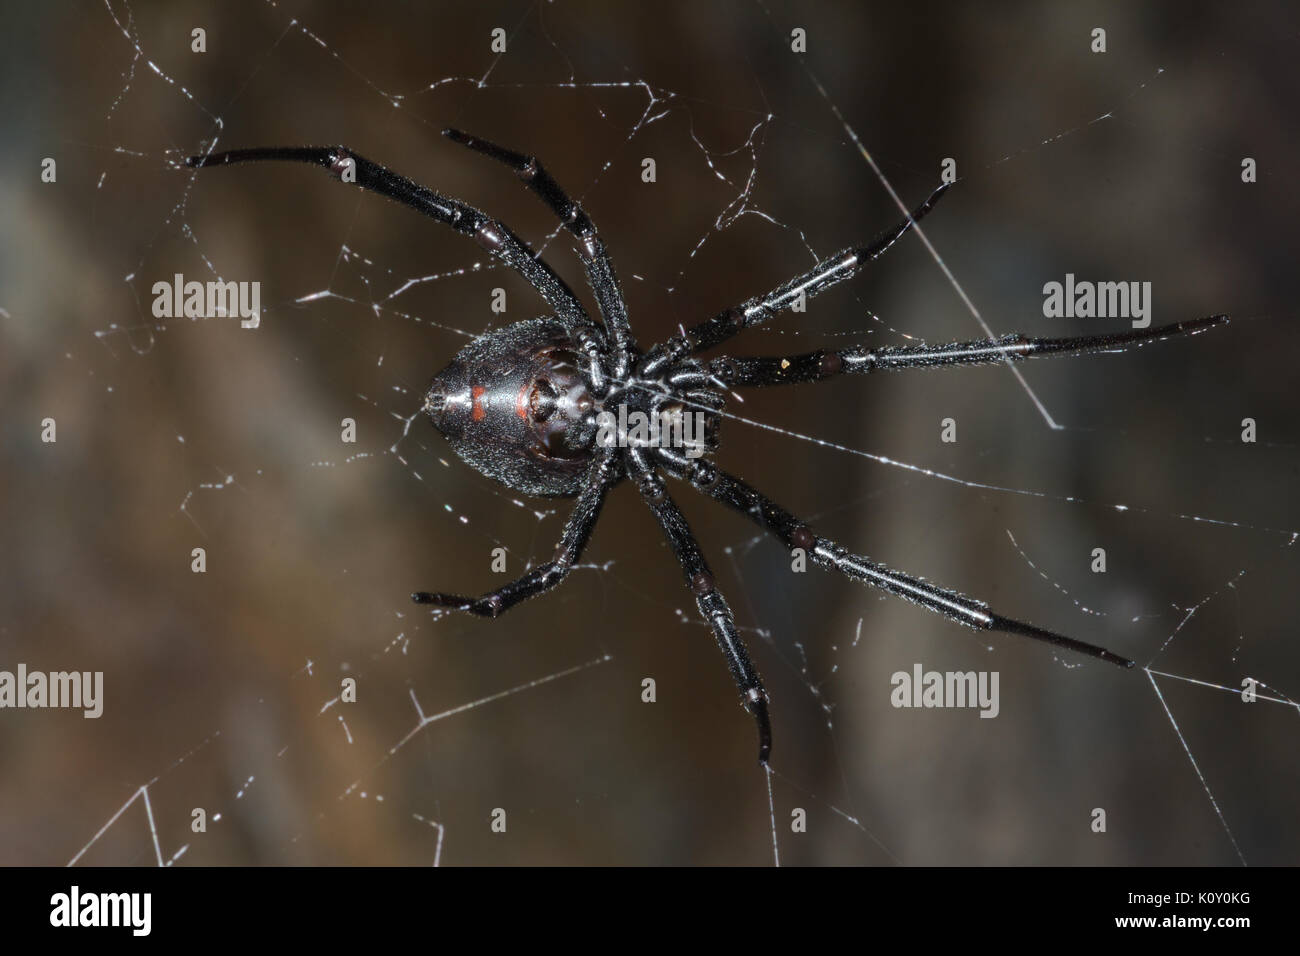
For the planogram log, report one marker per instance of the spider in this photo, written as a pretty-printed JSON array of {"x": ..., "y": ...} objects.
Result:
[{"x": 523, "y": 404}]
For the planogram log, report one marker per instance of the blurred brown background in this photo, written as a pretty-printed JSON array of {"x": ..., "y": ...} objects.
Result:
[{"x": 215, "y": 683}]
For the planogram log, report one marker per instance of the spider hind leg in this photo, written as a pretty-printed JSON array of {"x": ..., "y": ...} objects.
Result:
[
  {"x": 709, "y": 601},
  {"x": 591, "y": 249},
  {"x": 603, "y": 473}
]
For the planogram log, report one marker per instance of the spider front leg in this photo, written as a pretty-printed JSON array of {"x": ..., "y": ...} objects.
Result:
[
  {"x": 825, "y": 363},
  {"x": 759, "y": 309},
  {"x": 709, "y": 601},
  {"x": 604, "y": 473},
  {"x": 756, "y": 506}
]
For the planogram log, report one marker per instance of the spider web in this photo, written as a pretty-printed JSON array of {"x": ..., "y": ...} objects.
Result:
[{"x": 224, "y": 688}]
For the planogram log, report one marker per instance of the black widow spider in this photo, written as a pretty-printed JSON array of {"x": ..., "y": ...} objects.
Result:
[{"x": 522, "y": 403}]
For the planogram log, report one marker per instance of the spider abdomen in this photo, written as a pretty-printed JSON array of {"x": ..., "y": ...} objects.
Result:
[{"x": 516, "y": 405}]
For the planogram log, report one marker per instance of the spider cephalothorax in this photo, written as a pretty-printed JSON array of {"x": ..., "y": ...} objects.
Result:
[{"x": 561, "y": 406}]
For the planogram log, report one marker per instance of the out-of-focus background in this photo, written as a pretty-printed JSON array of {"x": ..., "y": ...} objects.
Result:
[{"x": 178, "y": 434}]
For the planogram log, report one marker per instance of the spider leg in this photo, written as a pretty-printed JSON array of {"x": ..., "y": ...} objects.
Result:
[
  {"x": 759, "y": 309},
  {"x": 709, "y": 601},
  {"x": 604, "y": 473},
  {"x": 596, "y": 260},
  {"x": 736, "y": 494},
  {"x": 824, "y": 363},
  {"x": 493, "y": 236}
]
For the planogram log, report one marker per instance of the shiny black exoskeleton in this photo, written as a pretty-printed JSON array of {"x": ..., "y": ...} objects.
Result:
[
  {"x": 516, "y": 405},
  {"x": 525, "y": 404},
  {"x": 531, "y": 404}
]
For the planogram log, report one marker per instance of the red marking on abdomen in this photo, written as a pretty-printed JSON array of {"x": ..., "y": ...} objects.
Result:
[
  {"x": 476, "y": 394},
  {"x": 521, "y": 402}
]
